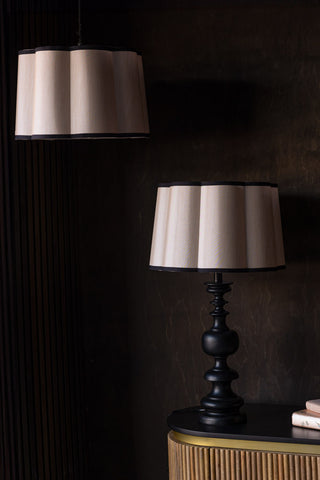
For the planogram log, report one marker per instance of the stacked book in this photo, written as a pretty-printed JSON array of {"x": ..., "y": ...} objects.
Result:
[{"x": 308, "y": 418}]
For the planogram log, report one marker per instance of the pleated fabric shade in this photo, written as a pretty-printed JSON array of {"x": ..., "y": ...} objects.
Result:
[
  {"x": 80, "y": 92},
  {"x": 227, "y": 226}
]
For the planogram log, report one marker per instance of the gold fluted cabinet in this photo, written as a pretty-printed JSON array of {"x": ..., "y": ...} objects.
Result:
[{"x": 267, "y": 448}]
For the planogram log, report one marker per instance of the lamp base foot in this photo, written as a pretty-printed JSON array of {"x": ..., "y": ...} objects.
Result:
[
  {"x": 219, "y": 420},
  {"x": 197, "y": 421},
  {"x": 221, "y": 411}
]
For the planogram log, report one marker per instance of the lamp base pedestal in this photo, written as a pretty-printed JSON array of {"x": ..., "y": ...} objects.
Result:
[
  {"x": 220, "y": 420},
  {"x": 198, "y": 421},
  {"x": 221, "y": 411}
]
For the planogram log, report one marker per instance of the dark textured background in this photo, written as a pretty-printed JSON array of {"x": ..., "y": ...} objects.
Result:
[{"x": 233, "y": 94}]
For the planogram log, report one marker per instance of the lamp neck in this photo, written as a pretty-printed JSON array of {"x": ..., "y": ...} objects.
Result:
[
  {"x": 217, "y": 277},
  {"x": 218, "y": 289}
]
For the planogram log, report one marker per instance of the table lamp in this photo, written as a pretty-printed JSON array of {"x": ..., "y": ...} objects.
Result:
[{"x": 218, "y": 227}]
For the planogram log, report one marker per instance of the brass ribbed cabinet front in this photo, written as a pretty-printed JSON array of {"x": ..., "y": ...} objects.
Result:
[{"x": 188, "y": 461}]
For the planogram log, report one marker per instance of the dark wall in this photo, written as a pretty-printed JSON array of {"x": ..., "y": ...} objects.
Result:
[{"x": 233, "y": 94}]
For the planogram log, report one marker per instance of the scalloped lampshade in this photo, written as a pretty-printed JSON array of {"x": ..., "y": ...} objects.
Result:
[
  {"x": 217, "y": 227},
  {"x": 80, "y": 92}
]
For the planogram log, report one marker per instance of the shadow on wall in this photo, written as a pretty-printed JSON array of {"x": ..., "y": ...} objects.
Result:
[
  {"x": 290, "y": 333},
  {"x": 203, "y": 105},
  {"x": 301, "y": 227}
]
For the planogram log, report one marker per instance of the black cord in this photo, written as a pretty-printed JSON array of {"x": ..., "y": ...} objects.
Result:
[{"x": 79, "y": 23}]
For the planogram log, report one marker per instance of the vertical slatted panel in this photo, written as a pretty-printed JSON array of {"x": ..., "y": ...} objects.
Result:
[
  {"x": 6, "y": 303},
  {"x": 40, "y": 366},
  {"x": 209, "y": 463}
]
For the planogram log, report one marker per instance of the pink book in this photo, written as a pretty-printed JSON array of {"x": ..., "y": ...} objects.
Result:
[
  {"x": 313, "y": 405},
  {"x": 306, "y": 419}
]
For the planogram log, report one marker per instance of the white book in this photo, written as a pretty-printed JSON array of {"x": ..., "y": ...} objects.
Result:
[
  {"x": 313, "y": 405},
  {"x": 306, "y": 419}
]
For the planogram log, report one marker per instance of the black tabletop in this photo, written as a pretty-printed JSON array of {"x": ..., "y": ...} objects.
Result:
[{"x": 265, "y": 423}]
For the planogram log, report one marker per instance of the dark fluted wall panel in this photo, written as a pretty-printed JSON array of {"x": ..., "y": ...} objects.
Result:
[{"x": 40, "y": 359}]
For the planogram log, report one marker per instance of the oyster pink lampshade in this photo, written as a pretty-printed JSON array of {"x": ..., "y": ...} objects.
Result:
[
  {"x": 80, "y": 92},
  {"x": 226, "y": 226}
]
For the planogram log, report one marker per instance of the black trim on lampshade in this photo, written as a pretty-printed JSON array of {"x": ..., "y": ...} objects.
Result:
[
  {"x": 26, "y": 51},
  {"x": 199, "y": 184},
  {"x": 82, "y": 136},
  {"x": 222, "y": 270},
  {"x": 77, "y": 47}
]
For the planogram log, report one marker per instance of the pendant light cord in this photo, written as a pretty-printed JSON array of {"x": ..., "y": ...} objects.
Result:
[{"x": 79, "y": 24}]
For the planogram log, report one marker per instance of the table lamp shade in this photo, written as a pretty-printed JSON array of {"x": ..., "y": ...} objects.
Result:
[
  {"x": 217, "y": 227},
  {"x": 81, "y": 92}
]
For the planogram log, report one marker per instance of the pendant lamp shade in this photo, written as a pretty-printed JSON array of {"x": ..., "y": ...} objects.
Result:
[
  {"x": 217, "y": 227},
  {"x": 80, "y": 92}
]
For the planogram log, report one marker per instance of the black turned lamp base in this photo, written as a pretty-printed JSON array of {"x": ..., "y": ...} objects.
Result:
[{"x": 221, "y": 406}]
